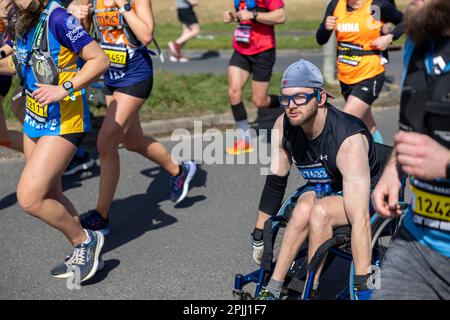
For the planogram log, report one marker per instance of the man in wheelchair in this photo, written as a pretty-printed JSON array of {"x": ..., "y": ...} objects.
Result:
[{"x": 328, "y": 147}]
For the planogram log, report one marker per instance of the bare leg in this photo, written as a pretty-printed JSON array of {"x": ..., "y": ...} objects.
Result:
[{"x": 33, "y": 194}]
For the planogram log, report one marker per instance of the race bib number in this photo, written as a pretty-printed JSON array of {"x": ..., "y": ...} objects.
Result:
[
  {"x": 117, "y": 55},
  {"x": 431, "y": 209},
  {"x": 35, "y": 111},
  {"x": 347, "y": 56},
  {"x": 314, "y": 173},
  {"x": 242, "y": 33}
]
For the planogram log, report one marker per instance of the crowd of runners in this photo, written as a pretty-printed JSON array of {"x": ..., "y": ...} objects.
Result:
[{"x": 58, "y": 48}]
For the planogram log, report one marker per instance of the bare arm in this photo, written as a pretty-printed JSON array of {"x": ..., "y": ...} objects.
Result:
[
  {"x": 140, "y": 20},
  {"x": 97, "y": 62},
  {"x": 7, "y": 67},
  {"x": 280, "y": 163},
  {"x": 352, "y": 161},
  {"x": 270, "y": 18}
]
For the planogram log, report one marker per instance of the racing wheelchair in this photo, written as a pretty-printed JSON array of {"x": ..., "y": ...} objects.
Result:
[{"x": 299, "y": 280}]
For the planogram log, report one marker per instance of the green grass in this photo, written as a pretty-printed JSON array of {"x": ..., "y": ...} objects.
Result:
[
  {"x": 222, "y": 34},
  {"x": 176, "y": 95}
]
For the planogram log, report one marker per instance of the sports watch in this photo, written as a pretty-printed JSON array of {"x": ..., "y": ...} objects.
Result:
[
  {"x": 69, "y": 87},
  {"x": 255, "y": 14},
  {"x": 126, "y": 7}
]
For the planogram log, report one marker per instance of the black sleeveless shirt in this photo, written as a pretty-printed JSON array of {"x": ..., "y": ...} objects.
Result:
[{"x": 316, "y": 159}]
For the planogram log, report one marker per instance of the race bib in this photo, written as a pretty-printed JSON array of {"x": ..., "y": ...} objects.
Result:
[
  {"x": 347, "y": 56},
  {"x": 118, "y": 55},
  {"x": 34, "y": 109},
  {"x": 242, "y": 33},
  {"x": 431, "y": 209},
  {"x": 314, "y": 173}
]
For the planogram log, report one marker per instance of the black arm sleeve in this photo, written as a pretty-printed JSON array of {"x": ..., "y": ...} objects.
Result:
[
  {"x": 323, "y": 35},
  {"x": 389, "y": 13},
  {"x": 399, "y": 30},
  {"x": 273, "y": 193}
]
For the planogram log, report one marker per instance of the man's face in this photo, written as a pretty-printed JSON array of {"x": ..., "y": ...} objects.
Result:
[{"x": 299, "y": 115}]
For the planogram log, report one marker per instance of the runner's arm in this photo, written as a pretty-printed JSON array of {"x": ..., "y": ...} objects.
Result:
[
  {"x": 323, "y": 35},
  {"x": 277, "y": 16},
  {"x": 7, "y": 66},
  {"x": 280, "y": 165},
  {"x": 390, "y": 14},
  {"x": 140, "y": 20},
  {"x": 353, "y": 163}
]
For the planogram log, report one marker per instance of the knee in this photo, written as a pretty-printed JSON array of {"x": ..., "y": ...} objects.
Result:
[
  {"x": 300, "y": 216},
  {"x": 234, "y": 95},
  {"x": 29, "y": 200},
  {"x": 195, "y": 30},
  {"x": 259, "y": 102},
  {"x": 106, "y": 144},
  {"x": 319, "y": 216},
  {"x": 131, "y": 145}
]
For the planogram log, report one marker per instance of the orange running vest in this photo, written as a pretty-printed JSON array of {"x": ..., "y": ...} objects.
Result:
[{"x": 355, "y": 31}]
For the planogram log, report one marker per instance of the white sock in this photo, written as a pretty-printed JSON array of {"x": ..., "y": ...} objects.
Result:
[{"x": 88, "y": 237}]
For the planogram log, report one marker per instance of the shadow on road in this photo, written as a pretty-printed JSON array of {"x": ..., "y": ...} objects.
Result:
[
  {"x": 207, "y": 55},
  {"x": 134, "y": 216},
  {"x": 101, "y": 275}
]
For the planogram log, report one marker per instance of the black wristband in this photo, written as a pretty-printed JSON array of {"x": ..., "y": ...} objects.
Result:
[
  {"x": 273, "y": 193},
  {"x": 255, "y": 14},
  {"x": 2, "y": 54}
]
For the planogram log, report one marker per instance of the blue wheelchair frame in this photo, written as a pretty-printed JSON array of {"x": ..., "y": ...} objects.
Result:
[{"x": 259, "y": 276}]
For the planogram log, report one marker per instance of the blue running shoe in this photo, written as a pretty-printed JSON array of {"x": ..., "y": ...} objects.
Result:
[
  {"x": 80, "y": 162},
  {"x": 95, "y": 222},
  {"x": 62, "y": 271},
  {"x": 85, "y": 257},
  {"x": 180, "y": 184}
]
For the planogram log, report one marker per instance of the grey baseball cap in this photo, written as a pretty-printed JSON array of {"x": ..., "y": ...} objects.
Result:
[{"x": 303, "y": 74}]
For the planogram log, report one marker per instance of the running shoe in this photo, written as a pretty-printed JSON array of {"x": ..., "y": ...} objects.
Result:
[
  {"x": 79, "y": 164},
  {"x": 85, "y": 257},
  {"x": 175, "y": 50},
  {"x": 95, "y": 222},
  {"x": 266, "y": 295},
  {"x": 240, "y": 146},
  {"x": 60, "y": 272},
  {"x": 180, "y": 184}
]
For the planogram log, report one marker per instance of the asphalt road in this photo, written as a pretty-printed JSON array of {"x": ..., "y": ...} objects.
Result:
[{"x": 155, "y": 250}]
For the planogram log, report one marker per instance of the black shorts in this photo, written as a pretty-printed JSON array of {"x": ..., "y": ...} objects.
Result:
[
  {"x": 187, "y": 16},
  {"x": 75, "y": 138},
  {"x": 366, "y": 90},
  {"x": 5, "y": 85},
  {"x": 140, "y": 90},
  {"x": 260, "y": 65}
]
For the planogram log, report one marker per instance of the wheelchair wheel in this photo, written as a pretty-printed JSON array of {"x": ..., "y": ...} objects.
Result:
[{"x": 383, "y": 231}]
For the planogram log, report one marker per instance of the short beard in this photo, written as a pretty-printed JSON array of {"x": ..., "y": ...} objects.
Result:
[
  {"x": 428, "y": 21},
  {"x": 303, "y": 120}
]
